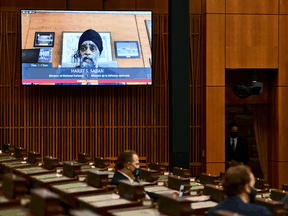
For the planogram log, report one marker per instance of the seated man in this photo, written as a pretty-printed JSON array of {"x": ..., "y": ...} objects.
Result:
[
  {"x": 127, "y": 168},
  {"x": 238, "y": 184}
]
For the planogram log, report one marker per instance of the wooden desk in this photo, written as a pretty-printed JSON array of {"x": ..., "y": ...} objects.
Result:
[
  {"x": 46, "y": 180},
  {"x": 174, "y": 205},
  {"x": 209, "y": 179},
  {"x": 261, "y": 184},
  {"x": 136, "y": 211},
  {"x": 278, "y": 195},
  {"x": 27, "y": 172},
  {"x": 158, "y": 189},
  {"x": 149, "y": 175},
  {"x": 185, "y": 173},
  {"x": 200, "y": 208},
  {"x": 68, "y": 191},
  {"x": 8, "y": 167},
  {"x": 276, "y": 208},
  {"x": 102, "y": 203}
]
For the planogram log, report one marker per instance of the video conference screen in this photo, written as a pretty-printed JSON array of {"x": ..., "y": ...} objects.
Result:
[{"x": 86, "y": 47}]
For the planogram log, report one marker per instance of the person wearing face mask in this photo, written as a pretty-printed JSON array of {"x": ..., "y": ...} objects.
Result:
[
  {"x": 238, "y": 184},
  {"x": 127, "y": 168},
  {"x": 236, "y": 148}
]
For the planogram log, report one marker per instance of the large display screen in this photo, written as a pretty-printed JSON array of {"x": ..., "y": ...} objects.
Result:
[{"x": 86, "y": 47}]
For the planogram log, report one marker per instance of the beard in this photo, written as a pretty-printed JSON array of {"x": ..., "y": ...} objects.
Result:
[{"x": 89, "y": 61}]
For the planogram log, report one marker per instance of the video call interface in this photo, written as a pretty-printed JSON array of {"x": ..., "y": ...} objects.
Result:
[{"x": 86, "y": 47}]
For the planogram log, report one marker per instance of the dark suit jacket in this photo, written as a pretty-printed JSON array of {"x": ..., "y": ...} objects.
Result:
[
  {"x": 235, "y": 204},
  {"x": 285, "y": 201},
  {"x": 119, "y": 176},
  {"x": 241, "y": 153}
]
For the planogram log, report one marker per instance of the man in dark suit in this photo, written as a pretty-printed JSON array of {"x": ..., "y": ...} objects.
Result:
[
  {"x": 238, "y": 184},
  {"x": 128, "y": 168},
  {"x": 236, "y": 148}
]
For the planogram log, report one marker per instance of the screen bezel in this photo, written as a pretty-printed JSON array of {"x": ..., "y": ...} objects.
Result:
[{"x": 87, "y": 11}]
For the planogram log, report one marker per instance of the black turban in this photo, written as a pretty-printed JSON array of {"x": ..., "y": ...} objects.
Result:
[{"x": 91, "y": 35}]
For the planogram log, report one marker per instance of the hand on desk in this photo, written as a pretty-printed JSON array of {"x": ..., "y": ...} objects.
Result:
[{"x": 175, "y": 192}]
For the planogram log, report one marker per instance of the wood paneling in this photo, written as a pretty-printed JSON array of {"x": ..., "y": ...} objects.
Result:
[
  {"x": 214, "y": 6},
  {"x": 215, "y": 50},
  {"x": 87, "y": 5},
  {"x": 195, "y": 6},
  {"x": 159, "y": 6},
  {"x": 196, "y": 90},
  {"x": 282, "y": 78},
  {"x": 17, "y": 5},
  {"x": 121, "y": 5},
  {"x": 215, "y": 124},
  {"x": 278, "y": 174},
  {"x": 215, "y": 168},
  {"x": 278, "y": 107},
  {"x": 283, "y": 174},
  {"x": 283, "y": 7},
  {"x": 283, "y": 123},
  {"x": 252, "y": 7},
  {"x": 273, "y": 174},
  {"x": 251, "y": 41},
  {"x": 273, "y": 130}
]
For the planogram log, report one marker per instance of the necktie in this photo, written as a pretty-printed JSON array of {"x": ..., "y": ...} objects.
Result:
[{"x": 233, "y": 145}]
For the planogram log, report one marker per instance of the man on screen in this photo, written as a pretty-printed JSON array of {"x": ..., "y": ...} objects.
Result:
[{"x": 90, "y": 47}]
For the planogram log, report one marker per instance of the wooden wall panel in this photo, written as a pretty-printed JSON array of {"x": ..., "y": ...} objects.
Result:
[
  {"x": 159, "y": 6},
  {"x": 283, "y": 7},
  {"x": 251, "y": 41},
  {"x": 213, "y": 6},
  {"x": 215, "y": 50},
  {"x": 196, "y": 91},
  {"x": 273, "y": 132},
  {"x": 282, "y": 78},
  {"x": 121, "y": 5},
  {"x": 283, "y": 174},
  {"x": 215, "y": 124},
  {"x": 215, "y": 168},
  {"x": 87, "y": 5},
  {"x": 283, "y": 124},
  {"x": 17, "y": 5},
  {"x": 273, "y": 173},
  {"x": 278, "y": 174},
  {"x": 252, "y": 7},
  {"x": 195, "y": 6}
]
